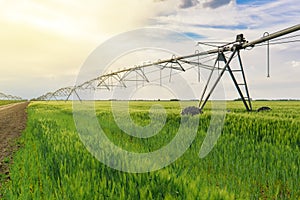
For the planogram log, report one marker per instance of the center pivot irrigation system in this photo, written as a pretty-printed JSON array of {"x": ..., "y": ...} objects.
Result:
[
  {"x": 9, "y": 97},
  {"x": 224, "y": 53}
]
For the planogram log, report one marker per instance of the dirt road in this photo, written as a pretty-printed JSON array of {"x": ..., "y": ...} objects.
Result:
[{"x": 12, "y": 121}]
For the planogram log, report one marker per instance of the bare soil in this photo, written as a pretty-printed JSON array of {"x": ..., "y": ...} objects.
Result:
[{"x": 13, "y": 119}]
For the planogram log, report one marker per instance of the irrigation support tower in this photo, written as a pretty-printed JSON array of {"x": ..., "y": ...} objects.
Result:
[{"x": 121, "y": 77}]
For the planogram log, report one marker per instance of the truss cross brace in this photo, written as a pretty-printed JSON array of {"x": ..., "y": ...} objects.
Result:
[{"x": 245, "y": 97}]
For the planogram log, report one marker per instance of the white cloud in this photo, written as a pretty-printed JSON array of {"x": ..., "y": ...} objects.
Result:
[
  {"x": 188, "y": 3},
  {"x": 295, "y": 63},
  {"x": 215, "y": 3},
  {"x": 233, "y": 16}
]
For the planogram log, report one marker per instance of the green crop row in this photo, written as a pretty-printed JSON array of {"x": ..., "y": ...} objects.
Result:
[
  {"x": 5, "y": 102},
  {"x": 256, "y": 157}
]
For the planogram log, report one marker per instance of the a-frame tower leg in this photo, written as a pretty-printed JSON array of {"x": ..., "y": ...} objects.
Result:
[{"x": 245, "y": 97}]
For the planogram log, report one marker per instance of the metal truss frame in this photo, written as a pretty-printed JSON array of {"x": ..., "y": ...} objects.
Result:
[
  {"x": 137, "y": 73},
  {"x": 9, "y": 97}
]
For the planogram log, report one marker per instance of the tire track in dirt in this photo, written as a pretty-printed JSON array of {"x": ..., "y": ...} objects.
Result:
[{"x": 13, "y": 119}]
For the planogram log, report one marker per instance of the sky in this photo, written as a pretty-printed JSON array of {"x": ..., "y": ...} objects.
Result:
[{"x": 45, "y": 43}]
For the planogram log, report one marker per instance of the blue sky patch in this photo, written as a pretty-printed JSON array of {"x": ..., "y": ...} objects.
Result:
[
  {"x": 254, "y": 2},
  {"x": 230, "y": 27},
  {"x": 193, "y": 35}
]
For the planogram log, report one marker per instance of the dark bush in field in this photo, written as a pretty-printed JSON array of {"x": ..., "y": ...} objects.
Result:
[
  {"x": 264, "y": 108},
  {"x": 192, "y": 110}
]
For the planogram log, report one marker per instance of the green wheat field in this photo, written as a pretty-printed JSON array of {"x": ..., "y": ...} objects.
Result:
[{"x": 256, "y": 157}]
